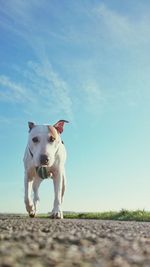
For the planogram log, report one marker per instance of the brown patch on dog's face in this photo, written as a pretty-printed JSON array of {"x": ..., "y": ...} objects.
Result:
[{"x": 53, "y": 131}]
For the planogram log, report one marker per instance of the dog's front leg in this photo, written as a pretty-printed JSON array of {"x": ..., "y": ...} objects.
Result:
[
  {"x": 58, "y": 184},
  {"x": 36, "y": 183},
  {"x": 28, "y": 200}
]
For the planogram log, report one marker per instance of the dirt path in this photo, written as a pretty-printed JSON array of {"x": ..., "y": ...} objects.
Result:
[{"x": 66, "y": 243}]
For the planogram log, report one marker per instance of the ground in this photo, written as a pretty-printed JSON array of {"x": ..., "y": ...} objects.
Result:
[{"x": 44, "y": 242}]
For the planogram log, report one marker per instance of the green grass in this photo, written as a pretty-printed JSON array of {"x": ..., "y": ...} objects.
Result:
[{"x": 123, "y": 215}]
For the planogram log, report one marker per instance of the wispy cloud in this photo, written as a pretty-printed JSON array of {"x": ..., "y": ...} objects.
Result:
[
  {"x": 124, "y": 29},
  {"x": 11, "y": 91},
  {"x": 50, "y": 87},
  {"x": 40, "y": 83},
  {"x": 94, "y": 97},
  {"x": 41, "y": 87},
  {"x": 90, "y": 30}
]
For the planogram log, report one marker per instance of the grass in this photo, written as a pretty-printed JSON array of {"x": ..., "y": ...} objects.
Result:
[{"x": 123, "y": 215}]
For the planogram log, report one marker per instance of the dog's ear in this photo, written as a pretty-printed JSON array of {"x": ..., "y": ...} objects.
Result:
[
  {"x": 31, "y": 125},
  {"x": 59, "y": 126}
]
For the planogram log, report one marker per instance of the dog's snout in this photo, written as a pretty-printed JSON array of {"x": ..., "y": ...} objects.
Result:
[{"x": 44, "y": 159}]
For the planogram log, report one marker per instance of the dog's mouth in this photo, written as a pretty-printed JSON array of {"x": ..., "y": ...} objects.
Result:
[
  {"x": 43, "y": 171},
  {"x": 42, "y": 165}
]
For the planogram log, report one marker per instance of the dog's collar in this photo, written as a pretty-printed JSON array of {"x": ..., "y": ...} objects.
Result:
[{"x": 31, "y": 153}]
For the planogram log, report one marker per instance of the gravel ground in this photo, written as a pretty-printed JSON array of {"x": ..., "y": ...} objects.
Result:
[{"x": 66, "y": 243}]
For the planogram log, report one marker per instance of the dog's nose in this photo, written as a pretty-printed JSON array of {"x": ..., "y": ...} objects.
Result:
[{"x": 44, "y": 159}]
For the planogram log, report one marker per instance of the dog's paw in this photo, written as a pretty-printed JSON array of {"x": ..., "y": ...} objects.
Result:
[
  {"x": 29, "y": 205},
  {"x": 56, "y": 215},
  {"x": 32, "y": 214}
]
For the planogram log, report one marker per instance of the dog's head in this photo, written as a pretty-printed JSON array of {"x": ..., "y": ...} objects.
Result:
[{"x": 44, "y": 141}]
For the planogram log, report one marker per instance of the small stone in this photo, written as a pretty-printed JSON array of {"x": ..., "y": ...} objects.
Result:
[{"x": 7, "y": 262}]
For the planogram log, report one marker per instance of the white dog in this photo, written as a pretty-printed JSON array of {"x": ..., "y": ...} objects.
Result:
[{"x": 45, "y": 156}]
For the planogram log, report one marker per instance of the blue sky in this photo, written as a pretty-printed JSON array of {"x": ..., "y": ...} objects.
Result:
[{"x": 87, "y": 62}]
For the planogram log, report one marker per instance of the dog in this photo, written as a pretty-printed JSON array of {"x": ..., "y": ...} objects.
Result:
[{"x": 44, "y": 157}]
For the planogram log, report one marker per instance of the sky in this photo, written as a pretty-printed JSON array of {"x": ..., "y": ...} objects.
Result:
[{"x": 87, "y": 62}]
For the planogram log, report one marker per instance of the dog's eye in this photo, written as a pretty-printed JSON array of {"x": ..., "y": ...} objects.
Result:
[
  {"x": 35, "y": 140},
  {"x": 51, "y": 139}
]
